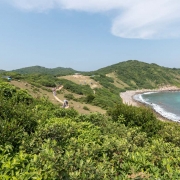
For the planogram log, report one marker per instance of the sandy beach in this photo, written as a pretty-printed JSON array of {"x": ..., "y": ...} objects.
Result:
[{"x": 127, "y": 96}]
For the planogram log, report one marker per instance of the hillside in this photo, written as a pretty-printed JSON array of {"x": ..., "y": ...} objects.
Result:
[
  {"x": 98, "y": 90},
  {"x": 125, "y": 75},
  {"x": 136, "y": 74},
  {"x": 46, "y": 92},
  {"x": 39, "y": 140},
  {"x": 43, "y": 70}
]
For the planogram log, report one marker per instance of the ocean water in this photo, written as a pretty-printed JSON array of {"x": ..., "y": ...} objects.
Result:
[{"x": 165, "y": 103}]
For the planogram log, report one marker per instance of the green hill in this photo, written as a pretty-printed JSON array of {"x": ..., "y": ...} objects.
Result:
[
  {"x": 102, "y": 87},
  {"x": 130, "y": 74},
  {"x": 43, "y": 70},
  {"x": 138, "y": 74}
]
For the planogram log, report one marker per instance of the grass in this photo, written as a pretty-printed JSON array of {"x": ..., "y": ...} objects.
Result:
[
  {"x": 117, "y": 82},
  {"x": 83, "y": 80},
  {"x": 40, "y": 92}
]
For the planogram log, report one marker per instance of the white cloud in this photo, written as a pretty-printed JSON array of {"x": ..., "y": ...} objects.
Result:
[
  {"x": 144, "y": 19},
  {"x": 149, "y": 19}
]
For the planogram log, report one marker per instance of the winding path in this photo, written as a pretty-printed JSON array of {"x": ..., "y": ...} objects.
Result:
[
  {"x": 58, "y": 99},
  {"x": 62, "y": 102}
]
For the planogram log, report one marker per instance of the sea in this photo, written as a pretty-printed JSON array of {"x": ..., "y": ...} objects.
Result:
[{"x": 166, "y": 103}]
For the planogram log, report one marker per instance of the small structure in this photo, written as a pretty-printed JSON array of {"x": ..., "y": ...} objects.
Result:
[
  {"x": 9, "y": 78},
  {"x": 77, "y": 73}
]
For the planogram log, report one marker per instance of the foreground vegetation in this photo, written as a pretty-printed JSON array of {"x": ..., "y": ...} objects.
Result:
[{"x": 39, "y": 140}]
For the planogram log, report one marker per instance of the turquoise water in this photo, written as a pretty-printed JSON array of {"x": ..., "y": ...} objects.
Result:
[{"x": 165, "y": 103}]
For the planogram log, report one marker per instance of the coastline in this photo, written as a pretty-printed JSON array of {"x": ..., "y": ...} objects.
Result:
[{"x": 128, "y": 99}]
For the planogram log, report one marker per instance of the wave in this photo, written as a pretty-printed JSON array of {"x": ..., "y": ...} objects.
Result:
[
  {"x": 157, "y": 108},
  {"x": 150, "y": 92},
  {"x": 138, "y": 97}
]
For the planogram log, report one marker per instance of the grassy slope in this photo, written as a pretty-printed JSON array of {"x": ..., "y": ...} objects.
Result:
[
  {"x": 82, "y": 80},
  {"x": 125, "y": 75},
  {"x": 38, "y": 92}
]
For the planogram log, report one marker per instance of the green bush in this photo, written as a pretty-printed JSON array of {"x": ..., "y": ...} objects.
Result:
[
  {"x": 85, "y": 108},
  {"x": 137, "y": 116},
  {"x": 90, "y": 98},
  {"x": 75, "y": 88},
  {"x": 69, "y": 96},
  {"x": 39, "y": 140}
]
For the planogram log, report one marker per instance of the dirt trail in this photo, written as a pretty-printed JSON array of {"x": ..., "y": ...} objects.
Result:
[
  {"x": 38, "y": 92},
  {"x": 58, "y": 99}
]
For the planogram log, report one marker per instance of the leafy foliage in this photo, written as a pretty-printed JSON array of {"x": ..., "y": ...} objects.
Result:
[
  {"x": 42, "y": 141},
  {"x": 105, "y": 99},
  {"x": 75, "y": 88},
  {"x": 106, "y": 82},
  {"x": 86, "y": 108},
  {"x": 39, "y": 80},
  {"x": 136, "y": 116}
]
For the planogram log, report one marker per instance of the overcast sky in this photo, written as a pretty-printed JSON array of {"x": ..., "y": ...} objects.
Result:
[{"x": 88, "y": 35}]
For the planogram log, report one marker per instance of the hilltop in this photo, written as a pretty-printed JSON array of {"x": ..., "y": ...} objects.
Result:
[{"x": 43, "y": 70}]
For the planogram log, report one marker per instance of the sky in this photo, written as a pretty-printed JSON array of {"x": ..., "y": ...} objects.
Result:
[{"x": 88, "y": 35}]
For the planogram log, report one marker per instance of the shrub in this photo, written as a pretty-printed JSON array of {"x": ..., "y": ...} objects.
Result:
[
  {"x": 90, "y": 98},
  {"x": 69, "y": 96},
  {"x": 85, "y": 108},
  {"x": 137, "y": 116}
]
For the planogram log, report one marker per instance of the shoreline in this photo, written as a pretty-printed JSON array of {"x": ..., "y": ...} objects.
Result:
[{"x": 127, "y": 98}]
